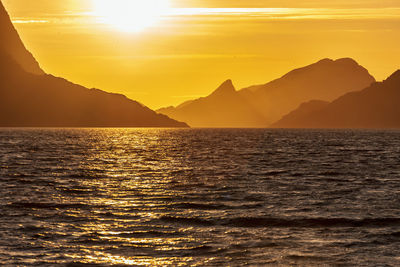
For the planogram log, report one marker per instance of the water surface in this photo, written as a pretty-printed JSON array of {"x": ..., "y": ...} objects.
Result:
[{"x": 202, "y": 197}]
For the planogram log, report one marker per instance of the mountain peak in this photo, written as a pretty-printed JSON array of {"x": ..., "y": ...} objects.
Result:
[
  {"x": 376, "y": 106},
  {"x": 227, "y": 84},
  {"x": 347, "y": 60},
  {"x": 327, "y": 66},
  {"x": 395, "y": 77},
  {"x": 225, "y": 88},
  {"x": 12, "y": 45},
  {"x": 325, "y": 60}
]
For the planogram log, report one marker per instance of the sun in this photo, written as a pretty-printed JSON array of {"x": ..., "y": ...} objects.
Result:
[{"x": 130, "y": 15}]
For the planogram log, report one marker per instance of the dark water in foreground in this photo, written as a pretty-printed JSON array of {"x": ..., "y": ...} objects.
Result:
[{"x": 199, "y": 197}]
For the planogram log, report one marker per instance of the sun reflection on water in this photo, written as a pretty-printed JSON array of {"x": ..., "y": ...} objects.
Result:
[
  {"x": 104, "y": 258},
  {"x": 124, "y": 200}
]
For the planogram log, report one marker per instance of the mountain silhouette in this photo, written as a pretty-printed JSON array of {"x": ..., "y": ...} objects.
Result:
[
  {"x": 325, "y": 80},
  {"x": 261, "y": 105},
  {"x": 377, "y": 106},
  {"x": 225, "y": 107},
  {"x": 296, "y": 116},
  {"x": 31, "y": 98},
  {"x": 12, "y": 44}
]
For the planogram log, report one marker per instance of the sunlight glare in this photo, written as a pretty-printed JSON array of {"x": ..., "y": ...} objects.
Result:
[{"x": 130, "y": 15}]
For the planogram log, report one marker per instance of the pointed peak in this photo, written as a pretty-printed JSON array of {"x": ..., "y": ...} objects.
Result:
[
  {"x": 3, "y": 13},
  {"x": 227, "y": 83},
  {"x": 395, "y": 77},
  {"x": 225, "y": 88}
]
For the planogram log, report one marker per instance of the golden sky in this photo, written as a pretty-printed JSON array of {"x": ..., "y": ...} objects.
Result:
[{"x": 194, "y": 45}]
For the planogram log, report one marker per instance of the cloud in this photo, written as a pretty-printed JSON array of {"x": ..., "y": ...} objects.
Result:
[
  {"x": 29, "y": 21},
  {"x": 289, "y": 13},
  {"x": 287, "y": 3},
  {"x": 226, "y": 14}
]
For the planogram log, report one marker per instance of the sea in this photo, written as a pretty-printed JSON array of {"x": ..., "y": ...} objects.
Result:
[{"x": 199, "y": 197}]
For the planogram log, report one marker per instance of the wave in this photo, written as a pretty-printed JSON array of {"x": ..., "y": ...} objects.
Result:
[
  {"x": 32, "y": 229},
  {"x": 211, "y": 206},
  {"x": 311, "y": 222},
  {"x": 254, "y": 222},
  {"x": 149, "y": 234},
  {"x": 385, "y": 236},
  {"x": 188, "y": 221},
  {"x": 82, "y": 264},
  {"x": 74, "y": 192},
  {"x": 37, "y": 205},
  {"x": 197, "y": 206}
]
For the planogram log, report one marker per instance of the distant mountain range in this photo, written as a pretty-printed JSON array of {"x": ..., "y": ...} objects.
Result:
[
  {"x": 377, "y": 106},
  {"x": 31, "y": 98},
  {"x": 262, "y": 105},
  {"x": 327, "y": 94}
]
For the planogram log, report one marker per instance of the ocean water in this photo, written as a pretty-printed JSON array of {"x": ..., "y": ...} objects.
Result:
[{"x": 200, "y": 197}]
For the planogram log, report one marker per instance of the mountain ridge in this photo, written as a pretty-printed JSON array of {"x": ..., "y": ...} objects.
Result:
[
  {"x": 326, "y": 80},
  {"x": 14, "y": 46},
  {"x": 218, "y": 109},
  {"x": 376, "y": 106},
  {"x": 31, "y": 98}
]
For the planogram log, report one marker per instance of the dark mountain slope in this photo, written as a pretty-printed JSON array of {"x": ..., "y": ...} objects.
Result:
[
  {"x": 377, "y": 106},
  {"x": 325, "y": 80},
  {"x": 261, "y": 105},
  {"x": 12, "y": 44},
  {"x": 296, "y": 116},
  {"x": 225, "y": 107},
  {"x": 30, "y": 98}
]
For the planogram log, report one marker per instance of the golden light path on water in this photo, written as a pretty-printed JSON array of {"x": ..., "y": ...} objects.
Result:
[
  {"x": 104, "y": 229},
  {"x": 118, "y": 164}
]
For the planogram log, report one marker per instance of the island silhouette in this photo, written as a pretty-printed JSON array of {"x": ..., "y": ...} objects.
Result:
[{"x": 31, "y": 98}]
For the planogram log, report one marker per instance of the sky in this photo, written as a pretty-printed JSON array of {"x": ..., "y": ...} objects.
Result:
[{"x": 166, "y": 56}]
